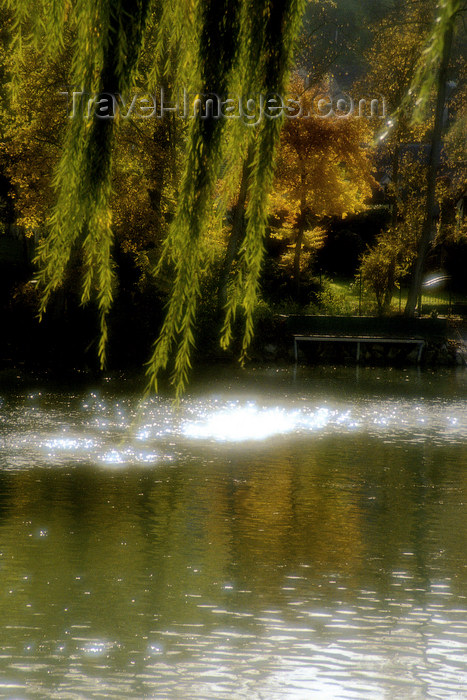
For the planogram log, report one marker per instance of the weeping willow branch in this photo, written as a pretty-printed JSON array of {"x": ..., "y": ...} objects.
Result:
[
  {"x": 174, "y": 55},
  {"x": 217, "y": 57},
  {"x": 426, "y": 74},
  {"x": 271, "y": 67},
  {"x": 108, "y": 40},
  {"x": 439, "y": 52},
  {"x": 216, "y": 46}
]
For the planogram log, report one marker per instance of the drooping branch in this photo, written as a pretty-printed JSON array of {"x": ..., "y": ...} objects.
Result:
[
  {"x": 441, "y": 40},
  {"x": 277, "y": 35},
  {"x": 217, "y": 55},
  {"x": 213, "y": 45},
  {"x": 108, "y": 40}
]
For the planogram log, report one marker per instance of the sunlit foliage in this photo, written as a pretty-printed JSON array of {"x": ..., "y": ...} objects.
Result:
[
  {"x": 324, "y": 170},
  {"x": 210, "y": 45}
]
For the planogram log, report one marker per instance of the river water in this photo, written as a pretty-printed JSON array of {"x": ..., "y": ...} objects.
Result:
[{"x": 281, "y": 535}]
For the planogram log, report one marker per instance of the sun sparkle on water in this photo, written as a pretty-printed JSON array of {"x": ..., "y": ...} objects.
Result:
[{"x": 118, "y": 433}]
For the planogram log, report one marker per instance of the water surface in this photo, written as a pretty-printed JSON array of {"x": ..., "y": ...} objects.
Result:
[{"x": 280, "y": 536}]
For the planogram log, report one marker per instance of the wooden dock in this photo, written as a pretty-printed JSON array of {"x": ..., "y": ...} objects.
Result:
[
  {"x": 358, "y": 340},
  {"x": 396, "y": 331}
]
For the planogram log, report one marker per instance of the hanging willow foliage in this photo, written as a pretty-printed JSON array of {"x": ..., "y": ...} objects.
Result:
[
  {"x": 218, "y": 46},
  {"x": 427, "y": 70},
  {"x": 108, "y": 39},
  {"x": 273, "y": 31},
  {"x": 217, "y": 57}
]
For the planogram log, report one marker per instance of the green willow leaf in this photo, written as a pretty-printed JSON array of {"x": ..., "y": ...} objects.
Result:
[{"x": 225, "y": 47}]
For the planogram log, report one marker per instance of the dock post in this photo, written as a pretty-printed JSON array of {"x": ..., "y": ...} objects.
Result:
[{"x": 420, "y": 349}]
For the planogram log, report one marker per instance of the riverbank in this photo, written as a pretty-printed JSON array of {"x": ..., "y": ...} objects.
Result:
[
  {"x": 37, "y": 354},
  {"x": 387, "y": 341}
]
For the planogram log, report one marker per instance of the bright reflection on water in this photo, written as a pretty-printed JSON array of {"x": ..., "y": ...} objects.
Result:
[
  {"x": 274, "y": 538},
  {"x": 237, "y": 422}
]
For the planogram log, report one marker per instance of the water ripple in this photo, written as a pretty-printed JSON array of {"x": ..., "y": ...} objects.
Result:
[{"x": 120, "y": 432}]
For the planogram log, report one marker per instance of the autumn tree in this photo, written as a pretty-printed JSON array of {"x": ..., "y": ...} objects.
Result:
[
  {"x": 146, "y": 160},
  {"x": 392, "y": 59},
  {"x": 396, "y": 56},
  {"x": 324, "y": 170},
  {"x": 388, "y": 261},
  {"x": 432, "y": 76}
]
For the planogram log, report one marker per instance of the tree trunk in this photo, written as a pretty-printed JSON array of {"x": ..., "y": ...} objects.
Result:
[
  {"x": 296, "y": 260},
  {"x": 163, "y": 143},
  {"x": 236, "y": 233},
  {"x": 391, "y": 284},
  {"x": 395, "y": 183},
  {"x": 384, "y": 303},
  {"x": 299, "y": 239},
  {"x": 427, "y": 229}
]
